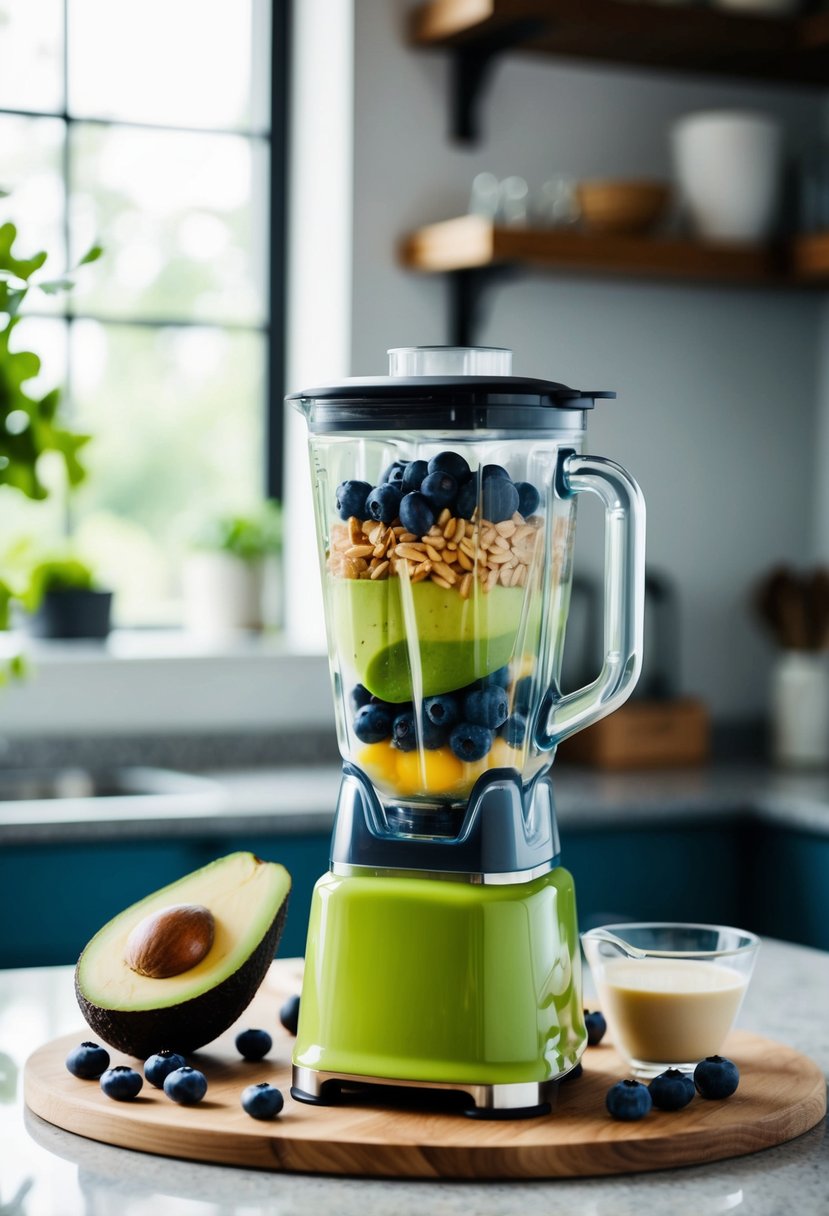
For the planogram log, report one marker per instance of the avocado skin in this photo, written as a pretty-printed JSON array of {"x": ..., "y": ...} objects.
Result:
[{"x": 191, "y": 1024}]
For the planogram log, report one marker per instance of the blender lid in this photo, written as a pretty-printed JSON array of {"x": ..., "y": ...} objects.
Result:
[
  {"x": 522, "y": 389},
  {"x": 477, "y": 402}
]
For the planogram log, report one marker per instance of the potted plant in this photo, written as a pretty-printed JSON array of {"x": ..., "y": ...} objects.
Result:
[
  {"x": 63, "y": 602},
  {"x": 226, "y": 578}
]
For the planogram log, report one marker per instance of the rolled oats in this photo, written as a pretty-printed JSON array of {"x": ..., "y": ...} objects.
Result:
[{"x": 457, "y": 554}]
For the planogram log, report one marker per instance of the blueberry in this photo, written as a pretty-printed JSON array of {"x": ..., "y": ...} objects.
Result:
[
  {"x": 253, "y": 1044},
  {"x": 596, "y": 1027},
  {"x": 468, "y": 495},
  {"x": 716, "y": 1077},
  {"x": 187, "y": 1086},
  {"x": 528, "y": 497},
  {"x": 403, "y": 731},
  {"x": 432, "y": 734},
  {"x": 452, "y": 463},
  {"x": 372, "y": 724},
  {"x": 439, "y": 489},
  {"x": 88, "y": 1061},
  {"x": 394, "y": 474},
  {"x": 628, "y": 1101},
  {"x": 159, "y": 1067},
  {"x": 522, "y": 695},
  {"x": 470, "y": 741},
  {"x": 671, "y": 1090},
  {"x": 442, "y": 710},
  {"x": 416, "y": 513},
  {"x": 487, "y": 707},
  {"x": 262, "y": 1101},
  {"x": 358, "y": 697},
  {"x": 383, "y": 504},
  {"x": 499, "y": 500},
  {"x": 351, "y": 499},
  {"x": 416, "y": 470},
  {"x": 514, "y": 730},
  {"x": 121, "y": 1083},
  {"x": 494, "y": 470},
  {"x": 289, "y": 1014}
]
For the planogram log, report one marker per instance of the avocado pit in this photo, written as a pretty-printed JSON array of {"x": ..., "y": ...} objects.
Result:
[{"x": 170, "y": 941}]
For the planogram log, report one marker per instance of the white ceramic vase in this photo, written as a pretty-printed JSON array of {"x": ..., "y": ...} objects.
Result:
[
  {"x": 222, "y": 594},
  {"x": 728, "y": 169},
  {"x": 800, "y": 708}
]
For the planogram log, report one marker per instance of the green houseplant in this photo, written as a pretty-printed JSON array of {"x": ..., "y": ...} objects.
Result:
[
  {"x": 226, "y": 577},
  {"x": 31, "y": 425}
]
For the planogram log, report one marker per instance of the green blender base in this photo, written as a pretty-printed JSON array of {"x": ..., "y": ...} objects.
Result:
[
  {"x": 465, "y": 981},
  {"x": 441, "y": 985}
]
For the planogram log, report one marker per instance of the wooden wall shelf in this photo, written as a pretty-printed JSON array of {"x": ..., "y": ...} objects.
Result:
[
  {"x": 682, "y": 38},
  {"x": 471, "y": 242},
  {"x": 471, "y": 251}
]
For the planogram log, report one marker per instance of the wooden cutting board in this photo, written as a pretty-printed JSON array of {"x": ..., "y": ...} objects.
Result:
[{"x": 782, "y": 1094}]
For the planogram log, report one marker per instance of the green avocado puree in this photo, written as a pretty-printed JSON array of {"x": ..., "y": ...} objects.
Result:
[{"x": 458, "y": 640}]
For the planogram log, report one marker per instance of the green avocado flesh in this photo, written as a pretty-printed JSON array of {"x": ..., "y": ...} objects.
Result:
[
  {"x": 141, "y": 1015},
  {"x": 457, "y": 640}
]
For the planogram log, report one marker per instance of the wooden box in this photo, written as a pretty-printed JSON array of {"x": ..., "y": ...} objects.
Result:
[{"x": 644, "y": 734}]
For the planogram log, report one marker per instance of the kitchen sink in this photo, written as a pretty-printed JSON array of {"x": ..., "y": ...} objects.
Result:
[{"x": 69, "y": 792}]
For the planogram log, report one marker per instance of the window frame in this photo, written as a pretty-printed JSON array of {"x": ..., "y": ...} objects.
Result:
[{"x": 273, "y": 328}]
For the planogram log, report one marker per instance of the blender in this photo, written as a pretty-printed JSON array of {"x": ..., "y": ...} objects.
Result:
[{"x": 443, "y": 951}]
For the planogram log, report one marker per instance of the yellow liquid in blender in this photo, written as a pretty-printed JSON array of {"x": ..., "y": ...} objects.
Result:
[{"x": 668, "y": 1010}]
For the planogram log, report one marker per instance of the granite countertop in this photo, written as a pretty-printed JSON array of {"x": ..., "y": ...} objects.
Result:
[
  {"x": 302, "y": 800},
  {"x": 48, "y": 1172}
]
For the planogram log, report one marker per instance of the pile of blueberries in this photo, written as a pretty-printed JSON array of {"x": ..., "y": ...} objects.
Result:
[
  {"x": 416, "y": 491},
  {"x": 466, "y": 720},
  {"x": 714, "y": 1078},
  {"x": 169, "y": 1071}
]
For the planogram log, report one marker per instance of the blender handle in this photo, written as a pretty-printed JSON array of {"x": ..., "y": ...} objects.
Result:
[{"x": 624, "y": 596}]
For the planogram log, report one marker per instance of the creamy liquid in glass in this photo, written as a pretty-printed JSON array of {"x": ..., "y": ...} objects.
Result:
[{"x": 670, "y": 1011}]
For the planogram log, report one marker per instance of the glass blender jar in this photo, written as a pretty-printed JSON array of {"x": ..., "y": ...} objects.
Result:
[{"x": 442, "y": 948}]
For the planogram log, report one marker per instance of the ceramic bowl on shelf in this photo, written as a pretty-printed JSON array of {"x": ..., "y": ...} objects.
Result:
[
  {"x": 728, "y": 167},
  {"x": 621, "y": 206}
]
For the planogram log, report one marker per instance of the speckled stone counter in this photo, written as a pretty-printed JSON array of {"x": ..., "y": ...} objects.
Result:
[{"x": 47, "y": 1172}]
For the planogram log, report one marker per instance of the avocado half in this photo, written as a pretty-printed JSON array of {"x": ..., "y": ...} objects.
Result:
[{"x": 140, "y": 1015}]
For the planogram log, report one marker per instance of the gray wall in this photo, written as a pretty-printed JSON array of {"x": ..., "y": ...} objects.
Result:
[{"x": 718, "y": 390}]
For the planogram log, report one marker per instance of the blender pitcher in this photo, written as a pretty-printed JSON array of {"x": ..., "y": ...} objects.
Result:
[{"x": 445, "y": 504}]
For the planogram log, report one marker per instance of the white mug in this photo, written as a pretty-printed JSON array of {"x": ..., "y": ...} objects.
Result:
[{"x": 728, "y": 168}]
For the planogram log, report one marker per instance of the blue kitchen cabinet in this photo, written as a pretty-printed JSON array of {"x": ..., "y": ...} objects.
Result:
[
  {"x": 689, "y": 871},
  {"x": 728, "y": 870},
  {"x": 53, "y": 898},
  {"x": 790, "y": 885}
]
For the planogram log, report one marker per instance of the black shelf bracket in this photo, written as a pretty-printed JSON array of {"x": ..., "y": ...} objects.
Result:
[
  {"x": 471, "y": 67},
  {"x": 467, "y": 298}
]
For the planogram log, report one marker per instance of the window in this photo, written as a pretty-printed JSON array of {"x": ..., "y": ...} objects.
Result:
[{"x": 153, "y": 129}]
